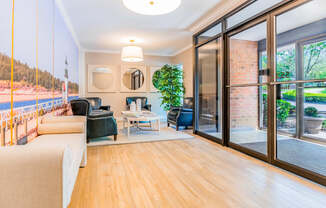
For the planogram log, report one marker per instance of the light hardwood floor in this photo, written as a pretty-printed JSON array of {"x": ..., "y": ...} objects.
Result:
[{"x": 187, "y": 173}]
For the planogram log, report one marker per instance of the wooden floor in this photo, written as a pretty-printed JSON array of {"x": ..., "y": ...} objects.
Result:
[{"x": 187, "y": 173}]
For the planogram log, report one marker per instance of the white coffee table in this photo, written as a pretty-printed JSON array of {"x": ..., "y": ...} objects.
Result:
[{"x": 134, "y": 119}]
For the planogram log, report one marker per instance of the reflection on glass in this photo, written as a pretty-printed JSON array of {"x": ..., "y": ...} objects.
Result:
[
  {"x": 250, "y": 11},
  {"x": 209, "y": 33},
  {"x": 247, "y": 55},
  {"x": 301, "y": 47},
  {"x": 248, "y": 121},
  {"x": 209, "y": 60},
  {"x": 155, "y": 79},
  {"x": 133, "y": 79}
]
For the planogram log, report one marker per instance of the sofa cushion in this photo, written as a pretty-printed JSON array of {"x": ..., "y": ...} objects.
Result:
[{"x": 61, "y": 128}]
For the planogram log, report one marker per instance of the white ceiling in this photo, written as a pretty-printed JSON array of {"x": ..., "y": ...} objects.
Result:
[{"x": 106, "y": 25}]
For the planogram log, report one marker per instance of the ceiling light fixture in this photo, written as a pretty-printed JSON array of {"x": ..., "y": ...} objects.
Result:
[
  {"x": 152, "y": 7},
  {"x": 132, "y": 53}
]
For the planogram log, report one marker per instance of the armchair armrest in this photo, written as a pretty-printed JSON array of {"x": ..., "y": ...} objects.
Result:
[
  {"x": 99, "y": 126},
  {"x": 185, "y": 117},
  {"x": 187, "y": 110},
  {"x": 175, "y": 108},
  {"x": 38, "y": 175},
  {"x": 105, "y": 107}
]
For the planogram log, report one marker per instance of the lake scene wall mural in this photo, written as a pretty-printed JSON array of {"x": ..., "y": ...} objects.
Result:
[{"x": 38, "y": 67}]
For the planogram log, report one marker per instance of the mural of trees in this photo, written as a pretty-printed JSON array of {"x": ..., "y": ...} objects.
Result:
[{"x": 26, "y": 75}]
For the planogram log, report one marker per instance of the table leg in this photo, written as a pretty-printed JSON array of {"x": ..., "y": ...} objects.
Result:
[
  {"x": 159, "y": 124},
  {"x": 128, "y": 125}
]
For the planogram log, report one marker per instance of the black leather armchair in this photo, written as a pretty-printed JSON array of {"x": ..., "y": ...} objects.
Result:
[
  {"x": 144, "y": 104},
  {"x": 181, "y": 116},
  {"x": 100, "y": 122},
  {"x": 96, "y": 104}
]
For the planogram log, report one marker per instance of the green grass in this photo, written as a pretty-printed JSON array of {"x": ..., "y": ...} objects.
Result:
[{"x": 309, "y": 97}]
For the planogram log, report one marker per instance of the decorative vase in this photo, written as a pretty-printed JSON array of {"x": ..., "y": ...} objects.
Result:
[
  {"x": 138, "y": 108},
  {"x": 133, "y": 107}
]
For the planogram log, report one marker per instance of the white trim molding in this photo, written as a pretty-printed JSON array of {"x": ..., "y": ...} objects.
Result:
[{"x": 217, "y": 12}]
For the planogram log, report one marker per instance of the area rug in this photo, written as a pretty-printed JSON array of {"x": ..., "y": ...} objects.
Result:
[{"x": 137, "y": 136}]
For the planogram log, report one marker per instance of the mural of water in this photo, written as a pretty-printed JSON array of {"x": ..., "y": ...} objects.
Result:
[{"x": 19, "y": 104}]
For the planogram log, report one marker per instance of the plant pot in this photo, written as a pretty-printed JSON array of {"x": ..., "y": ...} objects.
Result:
[{"x": 312, "y": 125}]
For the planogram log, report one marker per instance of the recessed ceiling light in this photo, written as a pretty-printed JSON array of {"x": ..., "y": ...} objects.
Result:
[{"x": 152, "y": 7}]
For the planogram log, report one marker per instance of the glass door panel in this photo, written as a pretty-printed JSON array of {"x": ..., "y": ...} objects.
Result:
[
  {"x": 301, "y": 140},
  {"x": 209, "y": 92},
  {"x": 301, "y": 103},
  {"x": 248, "y": 71},
  {"x": 248, "y": 125},
  {"x": 301, "y": 48}
]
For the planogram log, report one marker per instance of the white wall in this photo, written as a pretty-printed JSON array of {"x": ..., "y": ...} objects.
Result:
[
  {"x": 186, "y": 59},
  {"x": 117, "y": 100}
]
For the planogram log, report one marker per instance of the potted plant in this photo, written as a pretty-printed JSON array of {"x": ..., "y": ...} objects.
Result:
[
  {"x": 312, "y": 122},
  {"x": 169, "y": 81}
]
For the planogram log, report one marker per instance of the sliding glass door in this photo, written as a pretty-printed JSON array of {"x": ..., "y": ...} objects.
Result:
[
  {"x": 209, "y": 89},
  {"x": 260, "y": 84}
]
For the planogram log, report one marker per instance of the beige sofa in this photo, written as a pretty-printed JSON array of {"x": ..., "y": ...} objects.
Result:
[{"x": 43, "y": 173}]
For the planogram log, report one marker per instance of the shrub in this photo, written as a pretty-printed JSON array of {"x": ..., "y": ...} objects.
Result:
[
  {"x": 324, "y": 124},
  {"x": 311, "y": 111},
  {"x": 283, "y": 110}
]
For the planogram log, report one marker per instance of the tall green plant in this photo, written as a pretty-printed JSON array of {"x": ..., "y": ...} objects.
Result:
[{"x": 169, "y": 81}]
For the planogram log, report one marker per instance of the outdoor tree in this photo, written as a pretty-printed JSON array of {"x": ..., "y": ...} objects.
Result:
[{"x": 315, "y": 60}]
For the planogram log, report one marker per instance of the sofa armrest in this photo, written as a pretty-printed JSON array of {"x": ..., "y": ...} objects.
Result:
[{"x": 34, "y": 177}]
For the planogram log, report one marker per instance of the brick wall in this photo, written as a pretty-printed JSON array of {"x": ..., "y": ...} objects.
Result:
[{"x": 243, "y": 70}]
